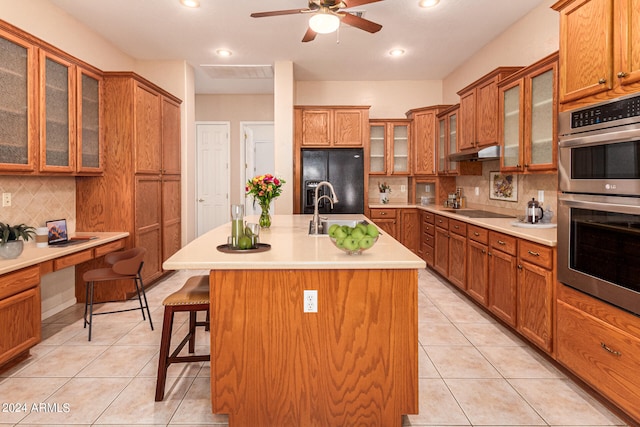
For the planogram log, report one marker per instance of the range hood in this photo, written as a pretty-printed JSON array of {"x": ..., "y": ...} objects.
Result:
[{"x": 476, "y": 154}]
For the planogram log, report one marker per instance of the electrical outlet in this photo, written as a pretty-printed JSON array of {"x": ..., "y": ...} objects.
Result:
[
  {"x": 6, "y": 200},
  {"x": 310, "y": 301},
  {"x": 540, "y": 196},
  {"x": 403, "y": 188},
  {"x": 476, "y": 191}
]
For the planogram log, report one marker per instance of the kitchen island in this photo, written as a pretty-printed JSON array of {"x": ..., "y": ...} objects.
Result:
[{"x": 354, "y": 362}]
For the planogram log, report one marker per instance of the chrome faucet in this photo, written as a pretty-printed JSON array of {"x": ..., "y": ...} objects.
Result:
[{"x": 333, "y": 199}]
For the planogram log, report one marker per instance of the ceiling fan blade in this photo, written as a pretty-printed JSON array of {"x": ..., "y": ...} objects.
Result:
[
  {"x": 309, "y": 35},
  {"x": 279, "y": 12},
  {"x": 363, "y": 24},
  {"x": 356, "y": 3}
]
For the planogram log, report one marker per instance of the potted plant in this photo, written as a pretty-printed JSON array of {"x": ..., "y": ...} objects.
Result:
[
  {"x": 11, "y": 245},
  {"x": 384, "y": 189}
]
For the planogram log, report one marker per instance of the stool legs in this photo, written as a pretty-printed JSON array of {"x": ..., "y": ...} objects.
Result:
[
  {"x": 88, "y": 305},
  {"x": 163, "y": 361}
]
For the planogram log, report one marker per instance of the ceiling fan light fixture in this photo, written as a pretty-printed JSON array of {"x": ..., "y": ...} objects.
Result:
[
  {"x": 190, "y": 3},
  {"x": 324, "y": 23},
  {"x": 428, "y": 3}
]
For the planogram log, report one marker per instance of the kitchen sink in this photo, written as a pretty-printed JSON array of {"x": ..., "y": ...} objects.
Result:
[{"x": 325, "y": 224}]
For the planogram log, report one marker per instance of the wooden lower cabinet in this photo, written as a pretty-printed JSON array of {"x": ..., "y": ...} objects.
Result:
[
  {"x": 427, "y": 232},
  {"x": 477, "y": 271},
  {"x": 503, "y": 277},
  {"x": 457, "y": 253},
  {"x": 601, "y": 344},
  {"x": 20, "y": 312},
  {"x": 410, "y": 229},
  {"x": 386, "y": 220},
  {"x": 441, "y": 246}
]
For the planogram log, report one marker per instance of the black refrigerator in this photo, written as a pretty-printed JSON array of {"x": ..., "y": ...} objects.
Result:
[{"x": 344, "y": 169}]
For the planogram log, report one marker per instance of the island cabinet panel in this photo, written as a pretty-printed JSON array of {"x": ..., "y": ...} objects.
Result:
[{"x": 354, "y": 362}]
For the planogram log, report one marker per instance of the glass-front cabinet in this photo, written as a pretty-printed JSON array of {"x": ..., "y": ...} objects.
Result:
[
  {"x": 448, "y": 140},
  {"x": 18, "y": 118},
  {"x": 89, "y": 136},
  {"x": 389, "y": 147},
  {"x": 528, "y": 111}
]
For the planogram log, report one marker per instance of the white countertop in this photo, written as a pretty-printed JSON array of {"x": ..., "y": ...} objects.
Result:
[
  {"x": 33, "y": 255},
  {"x": 544, "y": 236},
  {"x": 291, "y": 248}
]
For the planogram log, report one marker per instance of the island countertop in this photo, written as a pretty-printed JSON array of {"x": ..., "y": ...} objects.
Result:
[{"x": 291, "y": 248}]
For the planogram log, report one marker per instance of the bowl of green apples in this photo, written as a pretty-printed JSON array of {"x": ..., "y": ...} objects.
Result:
[{"x": 354, "y": 240}]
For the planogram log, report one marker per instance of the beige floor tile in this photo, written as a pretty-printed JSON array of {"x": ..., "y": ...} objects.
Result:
[
  {"x": 566, "y": 404},
  {"x": 520, "y": 362},
  {"x": 103, "y": 333},
  {"x": 492, "y": 402},
  {"x": 35, "y": 354},
  {"x": 489, "y": 334},
  {"x": 460, "y": 362},
  {"x": 60, "y": 333},
  {"x": 64, "y": 361},
  {"x": 80, "y": 401},
  {"x": 464, "y": 312},
  {"x": 440, "y": 334},
  {"x": 195, "y": 408},
  {"x": 437, "y": 406},
  {"x": 425, "y": 366},
  {"x": 120, "y": 361},
  {"x": 431, "y": 314},
  {"x": 22, "y": 393}
]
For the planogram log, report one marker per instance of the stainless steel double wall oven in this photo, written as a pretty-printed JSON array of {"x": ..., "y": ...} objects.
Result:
[{"x": 599, "y": 201}]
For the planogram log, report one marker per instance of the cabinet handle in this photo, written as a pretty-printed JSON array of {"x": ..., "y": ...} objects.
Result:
[
  {"x": 500, "y": 242},
  {"x": 518, "y": 165},
  {"x": 475, "y": 233},
  {"x": 602, "y": 81},
  {"x": 484, "y": 252},
  {"x": 457, "y": 227},
  {"x": 610, "y": 350},
  {"x": 519, "y": 266},
  {"x": 383, "y": 213},
  {"x": 526, "y": 165},
  {"x": 622, "y": 74},
  {"x": 489, "y": 253},
  {"x": 534, "y": 253},
  {"x": 440, "y": 221}
]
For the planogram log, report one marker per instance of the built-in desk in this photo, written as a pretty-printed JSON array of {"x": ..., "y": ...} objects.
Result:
[{"x": 20, "y": 310}]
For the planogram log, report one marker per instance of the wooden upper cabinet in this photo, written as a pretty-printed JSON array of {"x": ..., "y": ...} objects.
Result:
[
  {"x": 424, "y": 129},
  {"x": 57, "y": 114},
  {"x": 389, "y": 147},
  {"x": 331, "y": 126},
  {"x": 18, "y": 104},
  {"x": 148, "y": 129},
  {"x": 478, "y": 117},
  {"x": 170, "y": 137},
  {"x": 599, "y": 49},
  {"x": 90, "y": 144}
]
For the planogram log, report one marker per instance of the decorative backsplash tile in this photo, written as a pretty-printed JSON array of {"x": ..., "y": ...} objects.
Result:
[{"x": 35, "y": 200}]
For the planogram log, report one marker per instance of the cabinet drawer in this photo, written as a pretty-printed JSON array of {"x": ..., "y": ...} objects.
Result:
[
  {"x": 458, "y": 227},
  {"x": 108, "y": 248},
  {"x": 442, "y": 222},
  {"x": 383, "y": 213},
  {"x": 18, "y": 281},
  {"x": 427, "y": 239},
  {"x": 503, "y": 243},
  {"x": 427, "y": 254},
  {"x": 536, "y": 254},
  {"x": 428, "y": 229},
  {"x": 73, "y": 259},
  {"x": 428, "y": 217},
  {"x": 478, "y": 234},
  {"x": 600, "y": 354}
]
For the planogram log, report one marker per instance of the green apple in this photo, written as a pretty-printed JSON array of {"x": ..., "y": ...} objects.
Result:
[
  {"x": 340, "y": 242},
  {"x": 346, "y": 229},
  {"x": 244, "y": 242},
  {"x": 357, "y": 233},
  {"x": 339, "y": 233},
  {"x": 332, "y": 230},
  {"x": 351, "y": 244},
  {"x": 362, "y": 227},
  {"x": 366, "y": 242},
  {"x": 372, "y": 231}
]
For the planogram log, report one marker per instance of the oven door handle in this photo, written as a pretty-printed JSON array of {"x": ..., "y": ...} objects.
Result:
[
  {"x": 607, "y": 205},
  {"x": 599, "y": 139}
]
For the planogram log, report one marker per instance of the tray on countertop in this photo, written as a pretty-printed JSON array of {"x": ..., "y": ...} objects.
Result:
[
  {"x": 262, "y": 247},
  {"x": 529, "y": 225}
]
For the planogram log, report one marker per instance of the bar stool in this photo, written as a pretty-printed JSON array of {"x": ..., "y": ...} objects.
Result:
[
  {"x": 124, "y": 265},
  {"x": 192, "y": 297}
]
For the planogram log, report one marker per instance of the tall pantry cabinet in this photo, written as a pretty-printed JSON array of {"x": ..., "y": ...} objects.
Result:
[{"x": 140, "y": 189}]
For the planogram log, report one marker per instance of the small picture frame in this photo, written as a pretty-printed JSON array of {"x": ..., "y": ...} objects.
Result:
[{"x": 503, "y": 187}]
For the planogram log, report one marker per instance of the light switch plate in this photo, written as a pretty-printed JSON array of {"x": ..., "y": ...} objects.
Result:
[{"x": 6, "y": 200}]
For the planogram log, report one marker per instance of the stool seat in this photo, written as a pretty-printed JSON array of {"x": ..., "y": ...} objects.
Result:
[
  {"x": 192, "y": 297},
  {"x": 194, "y": 291}
]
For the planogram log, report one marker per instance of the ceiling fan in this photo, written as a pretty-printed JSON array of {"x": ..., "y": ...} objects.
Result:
[{"x": 326, "y": 16}]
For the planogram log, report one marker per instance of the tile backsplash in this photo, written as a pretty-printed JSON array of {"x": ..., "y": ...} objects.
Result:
[{"x": 35, "y": 200}]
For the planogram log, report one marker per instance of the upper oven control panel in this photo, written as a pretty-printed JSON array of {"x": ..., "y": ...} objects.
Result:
[{"x": 606, "y": 112}]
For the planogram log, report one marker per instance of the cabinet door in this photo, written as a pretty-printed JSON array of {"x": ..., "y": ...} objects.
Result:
[
  {"x": 89, "y": 134},
  {"x": 502, "y": 286},
  {"x": 486, "y": 110},
  {"x": 627, "y": 54},
  {"x": 171, "y": 219},
  {"x": 389, "y": 226},
  {"x": 540, "y": 121},
  {"x": 377, "y": 149},
  {"x": 467, "y": 118},
  {"x": 148, "y": 223},
  {"x": 424, "y": 140},
  {"x": 512, "y": 125},
  {"x": 442, "y": 145},
  {"x": 57, "y": 114},
  {"x": 452, "y": 142},
  {"x": 22, "y": 311},
  {"x": 478, "y": 271},
  {"x": 348, "y": 130},
  {"x": 534, "y": 304},
  {"x": 18, "y": 114},
  {"x": 170, "y": 137},
  {"x": 400, "y": 150},
  {"x": 316, "y": 128},
  {"x": 148, "y": 130},
  {"x": 586, "y": 49},
  {"x": 410, "y": 229},
  {"x": 441, "y": 251},
  {"x": 457, "y": 260}
]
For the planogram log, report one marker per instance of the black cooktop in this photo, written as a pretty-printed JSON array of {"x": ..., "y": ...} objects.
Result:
[{"x": 477, "y": 213}]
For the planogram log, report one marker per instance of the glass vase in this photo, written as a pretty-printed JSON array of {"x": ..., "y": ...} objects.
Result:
[{"x": 265, "y": 218}]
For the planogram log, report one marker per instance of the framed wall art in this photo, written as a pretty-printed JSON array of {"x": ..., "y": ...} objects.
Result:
[{"x": 503, "y": 186}]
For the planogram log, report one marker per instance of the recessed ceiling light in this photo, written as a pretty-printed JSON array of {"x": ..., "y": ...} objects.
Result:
[
  {"x": 190, "y": 3},
  {"x": 224, "y": 52},
  {"x": 428, "y": 3},
  {"x": 396, "y": 52}
]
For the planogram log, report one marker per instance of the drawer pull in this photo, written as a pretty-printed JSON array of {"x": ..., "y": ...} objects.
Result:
[
  {"x": 484, "y": 252},
  {"x": 500, "y": 242},
  {"x": 457, "y": 227},
  {"x": 610, "y": 350},
  {"x": 475, "y": 233},
  {"x": 534, "y": 253},
  {"x": 440, "y": 221},
  {"x": 383, "y": 213}
]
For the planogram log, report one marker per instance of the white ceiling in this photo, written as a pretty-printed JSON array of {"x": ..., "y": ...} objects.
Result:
[{"x": 436, "y": 40}]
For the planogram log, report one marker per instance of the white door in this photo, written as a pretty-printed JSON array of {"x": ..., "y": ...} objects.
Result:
[
  {"x": 212, "y": 180},
  {"x": 259, "y": 156}
]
